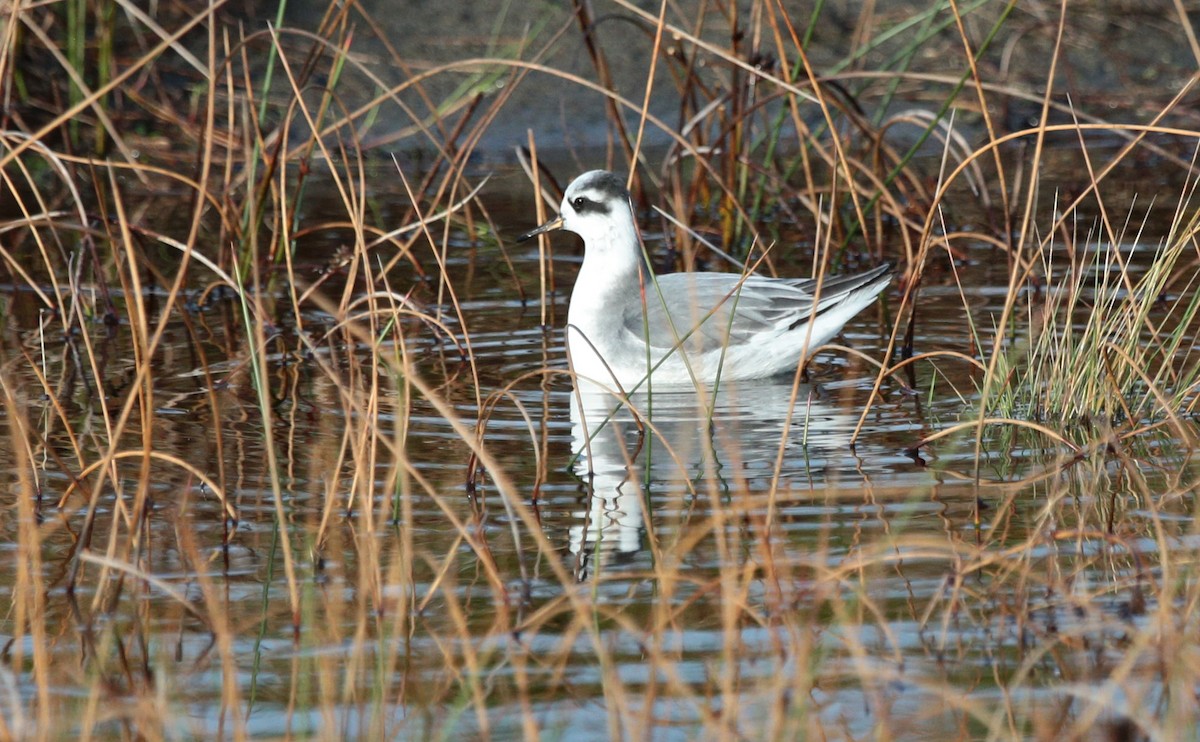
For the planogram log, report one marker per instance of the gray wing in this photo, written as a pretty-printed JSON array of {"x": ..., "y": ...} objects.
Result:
[{"x": 730, "y": 310}]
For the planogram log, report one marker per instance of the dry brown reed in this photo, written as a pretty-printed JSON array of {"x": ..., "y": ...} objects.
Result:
[{"x": 226, "y": 454}]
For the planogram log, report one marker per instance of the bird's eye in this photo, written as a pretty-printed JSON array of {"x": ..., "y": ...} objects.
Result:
[{"x": 578, "y": 203}]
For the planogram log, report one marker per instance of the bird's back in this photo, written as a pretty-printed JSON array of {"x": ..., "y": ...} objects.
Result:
[{"x": 724, "y": 310}]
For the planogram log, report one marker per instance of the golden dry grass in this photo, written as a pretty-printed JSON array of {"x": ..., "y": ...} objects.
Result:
[{"x": 265, "y": 482}]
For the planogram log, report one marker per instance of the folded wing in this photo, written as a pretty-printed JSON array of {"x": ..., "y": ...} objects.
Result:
[{"x": 708, "y": 310}]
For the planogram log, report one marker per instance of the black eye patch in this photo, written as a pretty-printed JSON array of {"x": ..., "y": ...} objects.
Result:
[{"x": 584, "y": 205}]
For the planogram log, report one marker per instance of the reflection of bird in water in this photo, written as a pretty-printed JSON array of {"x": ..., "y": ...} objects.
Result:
[
  {"x": 730, "y": 439},
  {"x": 623, "y": 322}
]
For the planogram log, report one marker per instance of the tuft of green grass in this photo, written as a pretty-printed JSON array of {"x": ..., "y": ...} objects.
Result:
[{"x": 1106, "y": 342}]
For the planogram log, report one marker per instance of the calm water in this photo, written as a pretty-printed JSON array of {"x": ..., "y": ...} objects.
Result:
[{"x": 710, "y": 484}]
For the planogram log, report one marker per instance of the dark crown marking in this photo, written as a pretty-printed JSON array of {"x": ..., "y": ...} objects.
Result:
[
  {"x": 606, "y": 185},
  {"x": 603, "y": 189}
]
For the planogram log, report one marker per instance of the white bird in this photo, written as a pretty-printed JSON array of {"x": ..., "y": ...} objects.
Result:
[{"x": 694, "y": 327}]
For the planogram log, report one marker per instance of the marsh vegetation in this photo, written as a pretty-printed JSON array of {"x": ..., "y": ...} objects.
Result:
[{"x": 292, "y": 448}]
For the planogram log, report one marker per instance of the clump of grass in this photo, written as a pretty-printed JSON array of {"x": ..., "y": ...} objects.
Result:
[
  {"x": 1108, "y": 343},
  {"x": 1098, "y": 340}
]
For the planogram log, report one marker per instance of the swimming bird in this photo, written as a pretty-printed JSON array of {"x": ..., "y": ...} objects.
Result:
[{"x": 694, "y": 327}]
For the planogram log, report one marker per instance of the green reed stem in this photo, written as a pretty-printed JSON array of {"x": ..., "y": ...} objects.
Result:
[{"x": 76, "y": 57}]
